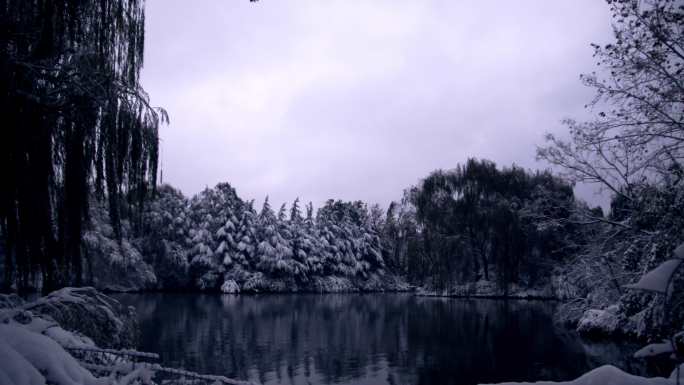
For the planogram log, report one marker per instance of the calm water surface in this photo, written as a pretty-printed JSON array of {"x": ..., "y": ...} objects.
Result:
[{"x": 365, "y": 339}]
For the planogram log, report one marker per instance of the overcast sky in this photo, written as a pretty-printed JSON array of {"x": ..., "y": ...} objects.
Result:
[{"x": 360, "y": 99}]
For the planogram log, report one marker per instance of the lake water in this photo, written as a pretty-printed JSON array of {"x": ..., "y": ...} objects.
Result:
[{"x": 366, "y": 339}]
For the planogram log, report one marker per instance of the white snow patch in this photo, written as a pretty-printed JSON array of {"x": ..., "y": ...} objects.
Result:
[
  {"x": 595, "y": 321},
  {"x": 657, "y": 279},
  {"x": 679, "y": 251},
  {"x": 30, "y": 358},
  {"x": 605, "y": 375},
  {"x": 230, "y": 287},
  {"x": 654, "y": 349}
]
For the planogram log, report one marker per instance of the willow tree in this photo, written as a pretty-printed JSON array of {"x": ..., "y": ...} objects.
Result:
[{"x": 76, "y": 124}]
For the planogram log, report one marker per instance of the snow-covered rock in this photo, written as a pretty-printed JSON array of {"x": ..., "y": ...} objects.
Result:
[
  {"x": 230, "y": 287},
  {"x": 597, "y": 322},
  {"x": 91, "y": 313},
  {"x": 606, "y": 375}
]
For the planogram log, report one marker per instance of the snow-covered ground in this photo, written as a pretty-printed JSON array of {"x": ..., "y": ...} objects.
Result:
[
  {"x": 34, "y": 347},
  {"x": 610, "y": 375}
]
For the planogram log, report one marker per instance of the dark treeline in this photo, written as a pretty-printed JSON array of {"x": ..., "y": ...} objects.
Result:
[
  {"x": 76, "y": 124},
  {"x": 478, "y": 222}
]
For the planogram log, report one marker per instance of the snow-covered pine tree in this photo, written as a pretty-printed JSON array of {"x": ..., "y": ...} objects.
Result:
[
  {"x": 337, "y": 256},
  {"x": 165, "y": 244},
  {"x": 282, "y": 213},
  {"x": 299, "y": 243},
  {"x": 350, "y": 246},
  {"x": 246, "y": 239},
  {"x": 203, "y": 263},
  {"x": 311, "y": 244},
  {"x": 214, "y": 230},
  {"x": 295, "y": 212},
  {"x": 273, "y": 251}
]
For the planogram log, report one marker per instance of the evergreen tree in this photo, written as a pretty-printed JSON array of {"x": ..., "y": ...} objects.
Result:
[
  {"x": 273, "y": 250},
  {"x": 311, "y": 244},
  {"x": 165, "y": 241},
  {"x": 282, "y": 213},
  {"x": 213, "y": 235},
  {"x": 300, "y": 243},
  {"x": 295, "y": 213}
]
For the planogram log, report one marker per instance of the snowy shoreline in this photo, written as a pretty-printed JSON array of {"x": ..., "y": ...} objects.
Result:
[{"x": 79, "y": 336}]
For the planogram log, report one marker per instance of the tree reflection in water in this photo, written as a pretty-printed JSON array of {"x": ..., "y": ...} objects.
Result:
[{"x": 365, "y": 339}]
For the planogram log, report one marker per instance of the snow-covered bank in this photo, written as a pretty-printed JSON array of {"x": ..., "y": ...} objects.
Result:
[
  {"x": 260, "y": 283},
  {"x": 48, "y": 341},
  {"x": 618, "y": 322},
  {"x": 35, "y": 336},
  {"x": 608, "y": 375},
  {"x": 88, "y": 312},
  {"x": 489, "y": 289}
]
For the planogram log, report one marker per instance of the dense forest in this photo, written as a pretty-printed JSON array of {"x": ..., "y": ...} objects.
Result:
[
  {"x": 217, "y": 240},
  {"x": 473, "y": 224},
  {"x": 80, "y": 203}
]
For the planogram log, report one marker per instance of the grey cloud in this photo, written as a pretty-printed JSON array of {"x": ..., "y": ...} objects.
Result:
[{"x": 359, "y": 99}]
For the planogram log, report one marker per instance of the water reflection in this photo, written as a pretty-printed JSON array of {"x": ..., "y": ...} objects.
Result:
[{"x": 365, "y": 339}]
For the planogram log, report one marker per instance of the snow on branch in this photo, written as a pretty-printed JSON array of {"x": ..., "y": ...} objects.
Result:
[
  {"x": 654, "y": 349},
  {"x": 658, "y": 279}
]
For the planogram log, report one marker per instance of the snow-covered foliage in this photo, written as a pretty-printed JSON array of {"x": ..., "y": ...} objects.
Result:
[
  {"x": 165, "y": 230},
  {"x": 112, "y": 264},
  {"x": 217, "y": 241},
  {"x": 230, "y": 287},
  {"x": 35, "y": 338},
  {"x": 215, "y": 236},
  {"x": 36, "y": 350},
  {"x": 641, "y": 252},
  {"x": 597, "y": 322},
  {"x": 91, "y": 313},
  {"x": 213, "y": 219},
  {"x": 659, "y": 280}
]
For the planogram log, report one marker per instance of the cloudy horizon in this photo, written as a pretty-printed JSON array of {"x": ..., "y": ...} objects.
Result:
[{"x": 360, "y": 100}]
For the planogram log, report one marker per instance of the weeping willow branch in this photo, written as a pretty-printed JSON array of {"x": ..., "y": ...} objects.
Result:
[{"x": 77, "y": 120}]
